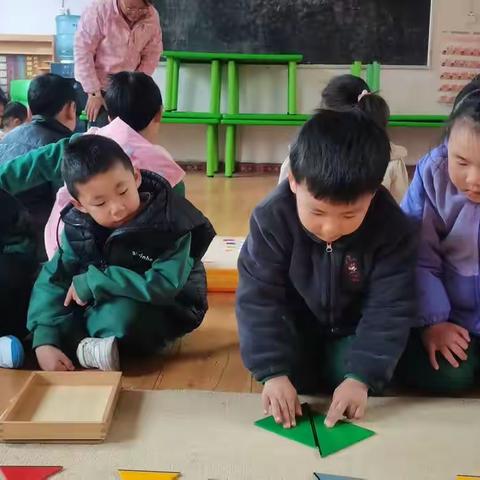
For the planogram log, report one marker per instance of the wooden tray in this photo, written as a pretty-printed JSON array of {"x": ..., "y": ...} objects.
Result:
[{"x": 65, "y": 407}]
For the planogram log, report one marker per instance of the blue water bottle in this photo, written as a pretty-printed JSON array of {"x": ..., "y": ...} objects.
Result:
[{"x": 64, "y": 38}]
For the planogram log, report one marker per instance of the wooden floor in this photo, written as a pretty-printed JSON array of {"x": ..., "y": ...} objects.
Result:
[{"x": 207, "y": 359}]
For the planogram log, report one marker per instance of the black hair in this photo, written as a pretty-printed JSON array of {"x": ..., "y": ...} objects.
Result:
[
  {"x": 89, "y": 155},
  {"x": 15, "y": 110},
  {"x": 3, "y": 98},
  {"x": 466, "y": 107},
  {"x": 473, "y": 85},
  {"x": 49, "y": 93},
  {"x": 340, "y": 155},
  {"x": 343, "y": 92},
  {"x": 134, "y": 97}
]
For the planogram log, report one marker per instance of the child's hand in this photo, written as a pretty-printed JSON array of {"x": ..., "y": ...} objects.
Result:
[
  {"x": 349, "y": 400},
  {"x": 51, "y": 359},
  {"x": 447, "y": 338},
  {"x": 280, "y": 399},
  {"x": 73, "y": 297}
]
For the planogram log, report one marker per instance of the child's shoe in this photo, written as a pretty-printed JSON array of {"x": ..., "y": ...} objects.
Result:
[
  {"x": 101, "y": 353},
  {"x": 11, "y": 352}
]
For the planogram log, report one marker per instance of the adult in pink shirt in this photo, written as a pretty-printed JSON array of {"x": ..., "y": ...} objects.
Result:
[{"x": 115, "y": 36}]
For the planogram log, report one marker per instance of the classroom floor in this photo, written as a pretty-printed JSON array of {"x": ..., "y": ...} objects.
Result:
[{"x": 209, "y": 358}]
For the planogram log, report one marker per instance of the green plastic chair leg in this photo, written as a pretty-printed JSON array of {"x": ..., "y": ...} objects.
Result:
[
  {"x": 230, "y": 148},
  {"x": 370, "y": 80},
  {"x": 376, "y": 77},
  {"x": 233, "y": 88},
  {"x": 212, "y": 150},
  {"x": 215, "y": 86},
  {"x": 175, "y": 80},
  {"x": 292, "y": 88},
  {"x": 168, "y": 84},
  {"x": 356, "y": 68}
]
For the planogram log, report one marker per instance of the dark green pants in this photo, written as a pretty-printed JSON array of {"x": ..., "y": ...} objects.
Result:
[
  {"x": 140, "y": 328},
  {"x": 415, "y": 370},
  {"x": 330, "y": 355}
]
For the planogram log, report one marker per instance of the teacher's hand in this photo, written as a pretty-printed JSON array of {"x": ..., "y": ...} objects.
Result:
[{"x": 94, "y": 104}]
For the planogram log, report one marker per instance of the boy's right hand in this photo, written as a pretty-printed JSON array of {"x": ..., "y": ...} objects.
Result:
[
  {"x": 447, "y": 338},
  {"x": 280, "y": 399},
  {"x": 51, "y": 359}
]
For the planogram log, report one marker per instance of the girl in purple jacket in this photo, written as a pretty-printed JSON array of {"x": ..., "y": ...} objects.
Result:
[{"x": 444, "y": 197}]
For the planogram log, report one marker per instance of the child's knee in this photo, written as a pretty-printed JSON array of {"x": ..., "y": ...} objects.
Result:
[{"x": 118, "y": 318}]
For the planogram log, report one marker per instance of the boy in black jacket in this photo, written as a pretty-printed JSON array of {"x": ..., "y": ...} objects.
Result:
[
  {"x": 17, "y": 269},
  {"x": 326, "y": 292}
]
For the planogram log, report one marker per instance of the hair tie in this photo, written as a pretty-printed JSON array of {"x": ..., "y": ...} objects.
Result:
[{"x": 363, "y": 94}]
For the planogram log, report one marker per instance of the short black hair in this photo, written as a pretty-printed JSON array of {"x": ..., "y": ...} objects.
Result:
[
  {"x": 340, "y": 156},
  {"x": 134, "y": 97},
  {"x": 49, "y": 93},
  {"x": 15, "y": 110},
  {"x": 89, "y": 155}
]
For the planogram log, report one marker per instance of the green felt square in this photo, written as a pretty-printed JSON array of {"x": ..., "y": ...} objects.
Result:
[{"x": 331, "y": 440}]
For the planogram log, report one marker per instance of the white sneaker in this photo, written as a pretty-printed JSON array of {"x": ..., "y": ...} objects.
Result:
[
  {"x": 101, "y": 353},
  {"x": 11, "y": 352}
]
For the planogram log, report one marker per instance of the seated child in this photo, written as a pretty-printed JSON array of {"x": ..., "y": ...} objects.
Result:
[
  {"x": 17, "y": 270},
  {"x": 129, "y": 267},
  {"x": 15, "y": 114},
  {"x": 348, "y": 91},
  {"x": 444, "y": 198},
  {"x": 3, "y": 104},
  {"x": 51, "y": 99},
  {"x": 326, "y": 275},
  {"x": 134, "y": 102},
  {"x": 135, "y": 106}
]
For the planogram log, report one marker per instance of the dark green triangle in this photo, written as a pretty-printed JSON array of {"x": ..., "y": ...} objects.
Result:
[{"x": 331, "y": 440}]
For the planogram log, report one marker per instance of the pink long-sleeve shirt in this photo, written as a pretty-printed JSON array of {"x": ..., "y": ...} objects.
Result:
[{"x": 105, "y": 44}]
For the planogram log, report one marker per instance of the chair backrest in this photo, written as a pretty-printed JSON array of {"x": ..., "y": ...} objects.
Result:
[{"x": 19, "y": 91}]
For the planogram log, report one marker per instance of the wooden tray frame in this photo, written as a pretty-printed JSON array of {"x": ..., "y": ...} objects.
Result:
[{"x": 16, "y": 431}]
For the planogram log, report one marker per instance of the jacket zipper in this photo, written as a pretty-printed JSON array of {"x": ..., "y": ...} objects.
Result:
[{"x": 331, "y": 289}]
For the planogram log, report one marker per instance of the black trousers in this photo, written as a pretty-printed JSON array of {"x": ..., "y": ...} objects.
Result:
[{"x": 16, "y": 281}]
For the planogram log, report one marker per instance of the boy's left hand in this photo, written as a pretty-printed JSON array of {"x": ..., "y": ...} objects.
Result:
[
  {"x": 72, "y": 296},
  {"x": 349, "y": 400}
]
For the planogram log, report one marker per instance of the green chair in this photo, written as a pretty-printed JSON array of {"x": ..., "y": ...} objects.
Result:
[
  {"x": 210, "y": 119},
  {"x": 234, "y": 117},
  {"x": 19, "y": 91},
  {"x": 372, "y": 74}
]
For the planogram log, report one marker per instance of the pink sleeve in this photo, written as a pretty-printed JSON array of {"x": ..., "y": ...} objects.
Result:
[
  {"x": 54, "y": 226},
  {"x": 152, "y": 51},
  {"x": 87, "y": 38}
]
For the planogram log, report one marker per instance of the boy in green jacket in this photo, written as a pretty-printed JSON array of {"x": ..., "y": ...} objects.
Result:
[{"x": 129, "y": 271}]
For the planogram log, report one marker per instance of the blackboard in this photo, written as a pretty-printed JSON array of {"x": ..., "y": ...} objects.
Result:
[{"x": 393, "y": 32}]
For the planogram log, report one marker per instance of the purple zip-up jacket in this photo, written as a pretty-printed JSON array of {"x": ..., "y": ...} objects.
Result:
[{"x": 448, "y": 258}]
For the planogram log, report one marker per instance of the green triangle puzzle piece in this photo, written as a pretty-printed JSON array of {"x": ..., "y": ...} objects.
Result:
[{"x": 331, "y": 440}]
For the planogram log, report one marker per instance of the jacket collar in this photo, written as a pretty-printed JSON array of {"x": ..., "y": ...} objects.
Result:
[{"x": 51, "y": 124}]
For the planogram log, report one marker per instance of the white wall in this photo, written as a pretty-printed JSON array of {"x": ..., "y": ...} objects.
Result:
[
  {"x": 34, "y": 16},
  {"x": 407, "y": 90}
]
